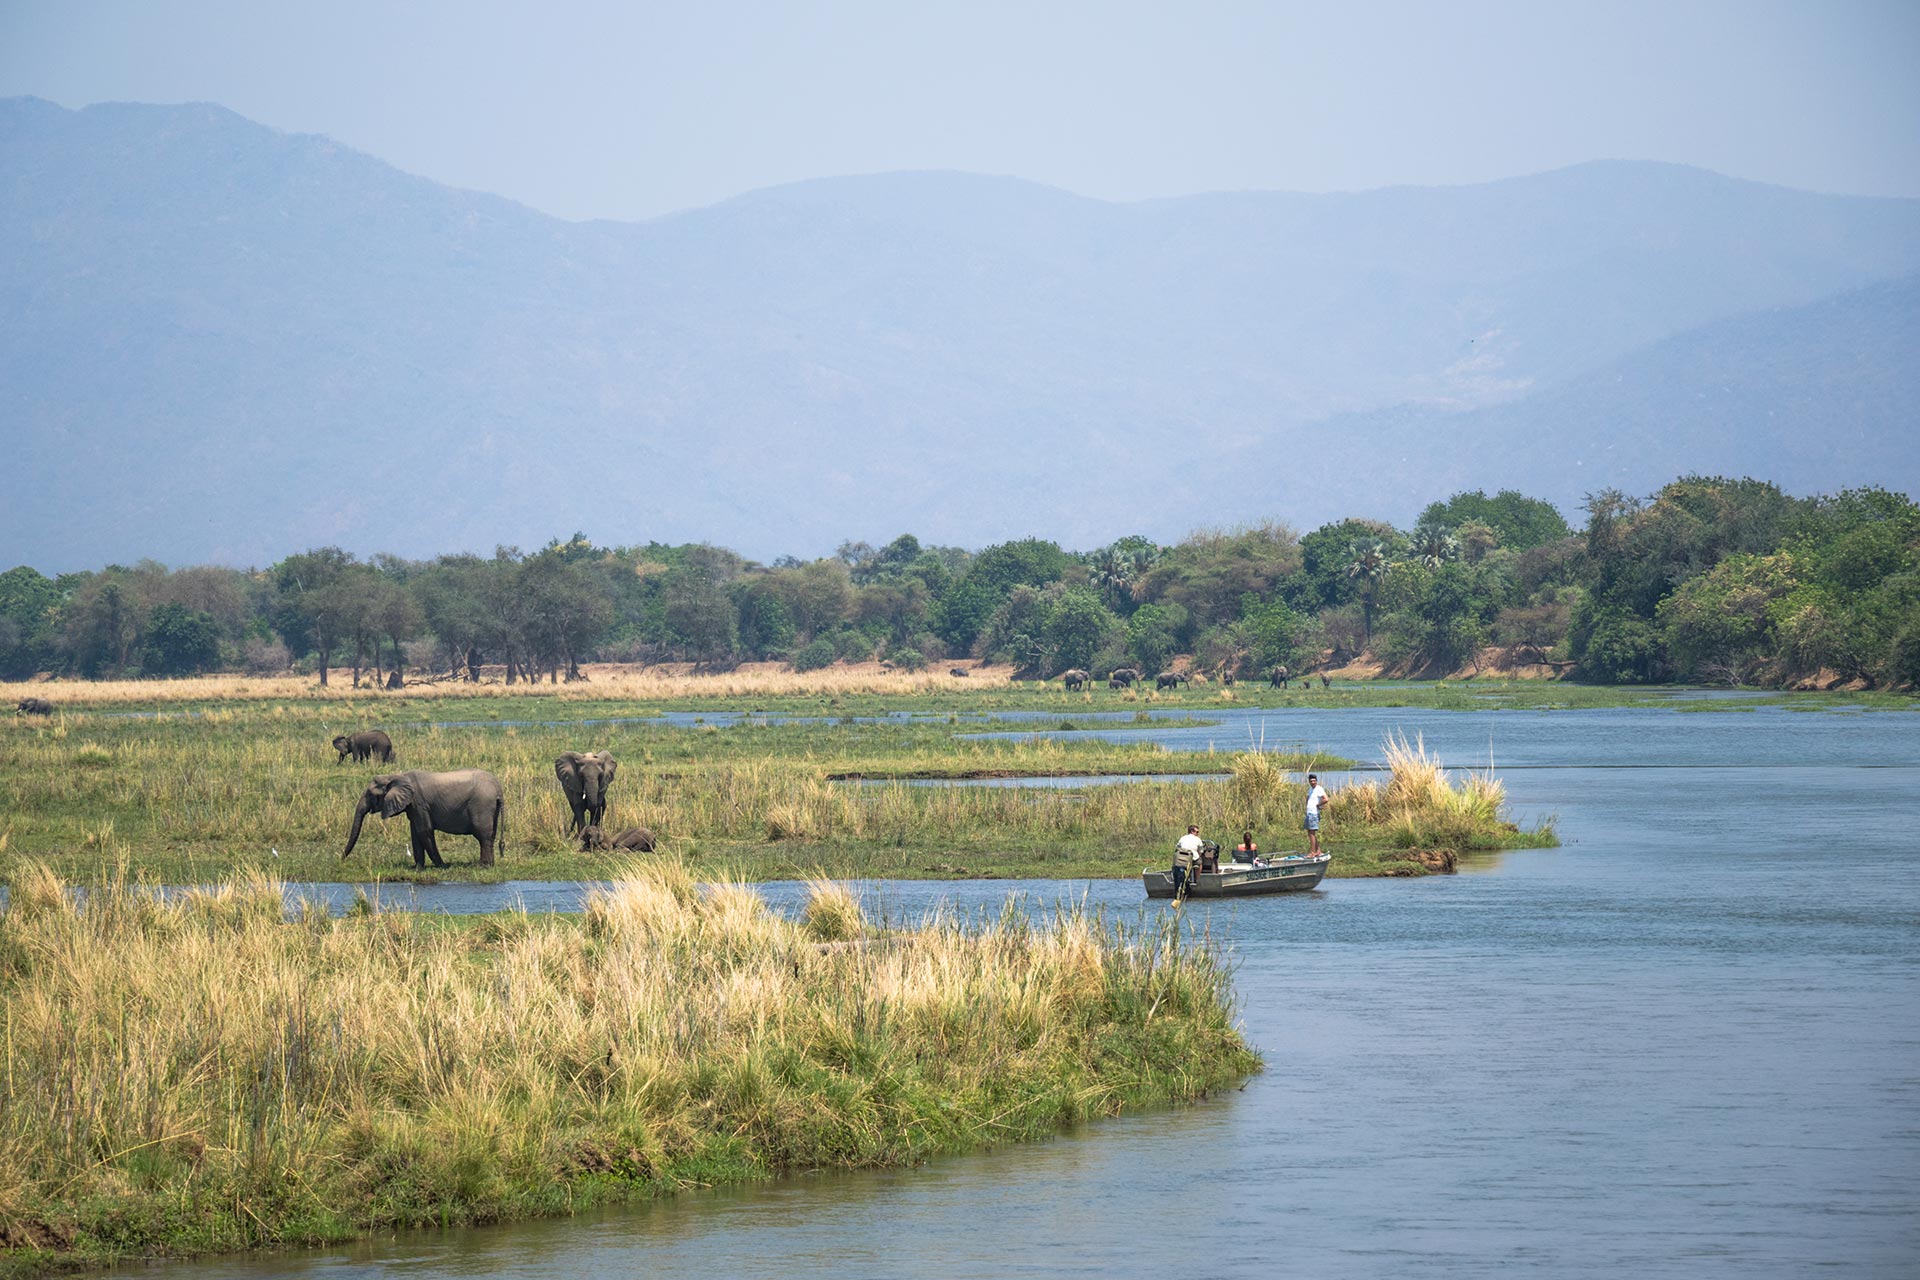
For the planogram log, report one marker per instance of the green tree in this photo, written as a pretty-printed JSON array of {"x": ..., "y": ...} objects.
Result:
[
  {"x": 1152, "y": 635},
  {"x": 180, "y": 641},
  {"x": 1520, "y": 523}
]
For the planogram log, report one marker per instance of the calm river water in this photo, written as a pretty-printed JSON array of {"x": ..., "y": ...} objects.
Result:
[{"x": 1687, "y": 1043}]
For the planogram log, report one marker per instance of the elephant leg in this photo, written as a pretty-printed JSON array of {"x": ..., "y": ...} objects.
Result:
[
  {"x": 420, "y": 833},
  {"x": 486, "y": 849},
  {"x": 433, "y": 850}
]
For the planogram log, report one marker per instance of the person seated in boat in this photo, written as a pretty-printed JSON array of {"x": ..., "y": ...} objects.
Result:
[
  {"x": 1247, "y": 851},
  {"x": 1186, "y": 859}
]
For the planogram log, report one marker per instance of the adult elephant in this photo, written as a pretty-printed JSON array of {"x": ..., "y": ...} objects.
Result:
[
  {"x": 36, "y": 706},
  {"x": 1170, "y": 679},
  {"x": 585, "y": 777},
  {"x": 1123, "y": 678},
  {"x": 1278, "y": 677},
  {"x": 1075, "y": 679},
  {"x": 364, "y": 745},
  {"x": 465, "y": 802}
]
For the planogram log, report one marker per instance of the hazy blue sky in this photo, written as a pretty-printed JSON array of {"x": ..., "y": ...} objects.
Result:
[{"x": 625, "y": 110}]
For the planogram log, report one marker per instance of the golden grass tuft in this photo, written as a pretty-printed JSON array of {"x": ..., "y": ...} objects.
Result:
[{"x": 833, "y": 912}]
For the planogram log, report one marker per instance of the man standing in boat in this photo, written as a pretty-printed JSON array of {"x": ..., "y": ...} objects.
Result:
[
  {"x": 1186, "y": 857},
  {"x": 1316, "y": 800}
]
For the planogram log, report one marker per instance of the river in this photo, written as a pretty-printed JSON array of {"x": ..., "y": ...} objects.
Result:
[{"x": 1686, "y": 1043}]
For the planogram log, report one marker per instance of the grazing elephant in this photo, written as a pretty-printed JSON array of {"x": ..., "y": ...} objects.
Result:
[
  {"x": 364, "y": 745},
  {"x": 466, "y": 802},
  {"x": 1278, "y": 677},
  {"x": 1226, "y": 676},
  {"x": 1325, "y": 681},
  {"x": 36, "y": 706},
  {"x": 1075, "y": 679},
  {"x": 585, "y": 777},
  {"x": 1170, "y": 679},
  {"x": 633, "y": 840},
  {"x": 958, "y": 671},
  {"x": 1123, "y": 678}
]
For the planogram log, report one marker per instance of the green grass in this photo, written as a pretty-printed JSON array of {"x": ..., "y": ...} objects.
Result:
[{"x": 202, "y": 1076}]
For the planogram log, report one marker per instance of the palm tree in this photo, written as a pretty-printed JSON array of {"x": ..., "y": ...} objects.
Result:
[
  {"x": 1368, "y": 561},
  {"x": 1434, "y": 545}
]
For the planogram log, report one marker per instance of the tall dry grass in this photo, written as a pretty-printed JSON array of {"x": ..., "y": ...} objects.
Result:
[
  {"x": 200, "y": 1074},
  {"x": 1422, "y": 805},
  {"x": 752, "y": 681}
]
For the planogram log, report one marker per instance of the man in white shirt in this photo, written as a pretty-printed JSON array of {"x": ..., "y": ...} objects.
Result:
[
  {"x": 1186, "y": 857},
  {"x": 1316, "y": 800}
]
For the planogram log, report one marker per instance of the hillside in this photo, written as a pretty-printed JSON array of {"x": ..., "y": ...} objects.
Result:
[{"x": 223, "y": 342}]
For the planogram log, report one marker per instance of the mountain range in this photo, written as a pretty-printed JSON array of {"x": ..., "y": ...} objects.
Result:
[{"x": 226, "y": 343}]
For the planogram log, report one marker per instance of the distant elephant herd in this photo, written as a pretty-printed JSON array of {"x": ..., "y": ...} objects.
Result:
[
  {"x": 471, "y": 802},
  {"x": 1076, "y": 679}
]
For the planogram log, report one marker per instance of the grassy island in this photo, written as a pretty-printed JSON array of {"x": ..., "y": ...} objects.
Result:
[
  {"x": 826, "y": 782},
  {"x": 202, "y": 1074}
]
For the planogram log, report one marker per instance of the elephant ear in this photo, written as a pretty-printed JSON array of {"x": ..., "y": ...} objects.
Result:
[
  {"x": 566, "y": 767},
  {"x": 613, "y": 766},
  {"x": 399, "y": 799}
]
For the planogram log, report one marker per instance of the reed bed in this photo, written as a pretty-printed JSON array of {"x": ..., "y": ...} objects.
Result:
[{"x": 202, "y": 1074}]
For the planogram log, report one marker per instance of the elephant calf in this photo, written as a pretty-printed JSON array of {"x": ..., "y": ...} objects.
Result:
[
  {"x": 36, "y": 706},
  {"x": 585, "y": 777},
  {"x": 466, "y": 802},
  {"x": 364, "y": 745},
  {"x": 633, "y": 839},
  {"x": 1122, "y": 678}
]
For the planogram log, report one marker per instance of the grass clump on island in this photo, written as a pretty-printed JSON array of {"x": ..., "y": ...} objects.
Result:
[{"x": 202, "y": 1074}]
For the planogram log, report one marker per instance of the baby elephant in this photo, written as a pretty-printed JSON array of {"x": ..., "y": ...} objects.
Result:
[
  {"x": 634, "y": 839},
  {"x": 364, "y": 745},
  {"x": 36, "y": 706},
  {"x": 585, "y": 777}
]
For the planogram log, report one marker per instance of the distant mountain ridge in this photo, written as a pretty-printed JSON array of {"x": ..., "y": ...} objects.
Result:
[{"x": 224, "y": 342}]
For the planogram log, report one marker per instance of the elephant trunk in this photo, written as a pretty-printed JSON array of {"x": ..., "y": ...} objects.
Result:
[{"x": 353, "y": 837}]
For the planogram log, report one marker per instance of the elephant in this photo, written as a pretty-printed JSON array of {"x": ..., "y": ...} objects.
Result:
[
  {"x": 633, "y": 839},
  {"x": 1227, "y": 677},
  {"x": 958, "y": 672},
  {"x": 1170, "y": 679},
  {"x": 1075, "y": 679},
  {"x": 1326, "y": 681},
  {"x": 1123, "y": 678},
  {"x": 36, "y": 706},
  {"x": 466, "y": 802},
  {"x": 585, "y": 777},
  {"x": 364, "y": 745},
  {"x": 1278, "y": 677}
]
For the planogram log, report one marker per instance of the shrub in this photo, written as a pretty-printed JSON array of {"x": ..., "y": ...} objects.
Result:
[{"x": 820, "y": 653}]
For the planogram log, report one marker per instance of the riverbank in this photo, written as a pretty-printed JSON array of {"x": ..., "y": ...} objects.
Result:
[{"x": 202, "y": 1075}]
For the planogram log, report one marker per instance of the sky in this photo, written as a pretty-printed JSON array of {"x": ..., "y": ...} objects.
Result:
[{"x": 632, "y": 109}]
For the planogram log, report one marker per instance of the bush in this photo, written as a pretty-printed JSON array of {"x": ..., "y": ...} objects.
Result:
[
  {"x": 908, "y": 659},
  {"x": 820, "y": 653}
]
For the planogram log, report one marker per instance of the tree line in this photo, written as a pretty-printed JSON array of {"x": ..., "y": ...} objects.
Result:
[{"x": 1710, "y": 579}]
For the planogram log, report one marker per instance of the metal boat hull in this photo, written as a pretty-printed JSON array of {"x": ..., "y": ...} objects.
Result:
[{"x": 1290, "y": 874}]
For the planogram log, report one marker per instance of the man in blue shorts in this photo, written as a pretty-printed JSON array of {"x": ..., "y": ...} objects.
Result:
[{"x": 1316, "y": 800}]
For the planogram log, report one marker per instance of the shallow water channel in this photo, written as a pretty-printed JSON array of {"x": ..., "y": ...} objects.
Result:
[{"x": 1687, "y": 1043}]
